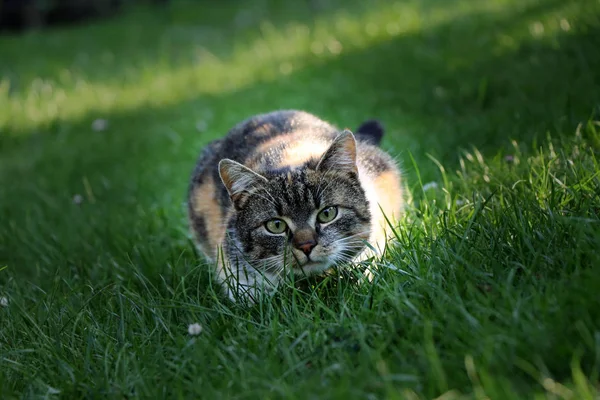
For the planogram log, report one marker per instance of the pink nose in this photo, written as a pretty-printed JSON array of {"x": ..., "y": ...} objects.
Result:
[{"x": 307, "y": 247}]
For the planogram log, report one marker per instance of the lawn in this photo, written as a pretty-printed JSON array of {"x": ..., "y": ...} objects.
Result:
[{"x": 491, "y": 107}]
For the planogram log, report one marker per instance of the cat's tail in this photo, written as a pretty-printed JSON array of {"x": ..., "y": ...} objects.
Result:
[{"x": 370, "y": 131}]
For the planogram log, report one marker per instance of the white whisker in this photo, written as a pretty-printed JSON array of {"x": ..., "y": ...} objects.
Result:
[{"x": 352, "y": 236}]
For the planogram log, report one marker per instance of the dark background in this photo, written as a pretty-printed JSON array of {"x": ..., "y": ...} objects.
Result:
[{"x": 23, "y": 15}]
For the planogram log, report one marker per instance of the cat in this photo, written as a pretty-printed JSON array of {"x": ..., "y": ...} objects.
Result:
[{"x": 287, "y": 191}]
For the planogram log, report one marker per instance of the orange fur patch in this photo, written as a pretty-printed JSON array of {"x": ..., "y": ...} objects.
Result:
[
  {"x": 389, "y": 193},
  {"x": 300, "y": 152},
  {"x": 206, "y": 206}
]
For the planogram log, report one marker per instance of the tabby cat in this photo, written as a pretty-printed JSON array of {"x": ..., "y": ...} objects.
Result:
[{"x": 287, "y": 191}]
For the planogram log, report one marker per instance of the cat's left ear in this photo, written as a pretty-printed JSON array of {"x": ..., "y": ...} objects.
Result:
[
  {"x": 238, "y": 179},
  {"x": 341, "y": 155}
]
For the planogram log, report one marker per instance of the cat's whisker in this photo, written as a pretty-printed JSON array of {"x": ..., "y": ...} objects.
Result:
[
  {"x": 351, "y": 246},
  {"x": 341, "y": 261},
  {"x": 266, "y": 261},
  {"x": 274, "y": 269},
  {"x": 352, "y": 236},
  {"x": 269, "y": 263},
  {"x": 351, "y": 250},
  {"x": 276, "y": 263},
  {"x": 350, "y": 243},
  {"x": 342, "y": 249}
]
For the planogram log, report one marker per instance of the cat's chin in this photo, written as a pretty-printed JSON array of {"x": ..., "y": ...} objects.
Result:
[{"x": 312, "y": 268}]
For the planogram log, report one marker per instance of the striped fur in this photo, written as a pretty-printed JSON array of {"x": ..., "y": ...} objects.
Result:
[{"x": 291, "y": 167}]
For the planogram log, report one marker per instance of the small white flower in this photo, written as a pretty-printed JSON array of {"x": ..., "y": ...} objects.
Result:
[
  {"x": 99, "y": 125},
  {"x": 460, "y": 202},
  {"x": 77, "y": 199},
  {"x": 194, "y": 329},
  {"x": 3, "y": 301},
  {"x": 430, "y": 186}
]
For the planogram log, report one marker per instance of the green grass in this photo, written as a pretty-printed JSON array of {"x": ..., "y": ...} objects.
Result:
[{"x": 492, "y": 292}]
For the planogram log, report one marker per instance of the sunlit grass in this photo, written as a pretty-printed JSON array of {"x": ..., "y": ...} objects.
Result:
[
  {"x": 185, "y": 64},
  {"x": 271, "y": 52}
]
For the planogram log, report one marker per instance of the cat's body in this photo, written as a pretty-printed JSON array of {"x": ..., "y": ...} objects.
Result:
[{"x": 287, "y": 189}]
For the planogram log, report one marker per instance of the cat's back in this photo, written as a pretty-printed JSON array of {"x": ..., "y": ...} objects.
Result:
[{"x": 276, "y": 139}]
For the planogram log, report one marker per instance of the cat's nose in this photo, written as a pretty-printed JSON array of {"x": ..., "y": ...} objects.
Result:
[{"x": 307, "y": 246}]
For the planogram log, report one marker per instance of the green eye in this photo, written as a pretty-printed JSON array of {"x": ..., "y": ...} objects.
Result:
[
  {"x": 276, "y": 226},
  {"x": 327, "y": 214}
]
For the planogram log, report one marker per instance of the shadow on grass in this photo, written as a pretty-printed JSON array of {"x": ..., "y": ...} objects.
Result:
[{"x": 436, "y": 91}]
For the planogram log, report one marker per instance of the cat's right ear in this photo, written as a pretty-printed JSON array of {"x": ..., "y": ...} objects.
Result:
[{"x": 238, "y": 179}]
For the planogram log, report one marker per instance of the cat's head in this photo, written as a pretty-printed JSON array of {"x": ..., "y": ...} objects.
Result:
[{"x": 308, "y": 218}]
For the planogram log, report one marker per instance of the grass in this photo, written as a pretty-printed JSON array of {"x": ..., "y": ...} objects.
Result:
[{"x": 491, "y": 292}]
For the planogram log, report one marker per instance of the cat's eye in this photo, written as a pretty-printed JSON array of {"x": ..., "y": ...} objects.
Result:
[
  {"x": 276, "y": 226},
  {"x": 327, "y": 214}
]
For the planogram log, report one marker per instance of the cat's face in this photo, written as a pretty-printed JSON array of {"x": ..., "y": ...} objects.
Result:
[{"x": 308, "y": 219}]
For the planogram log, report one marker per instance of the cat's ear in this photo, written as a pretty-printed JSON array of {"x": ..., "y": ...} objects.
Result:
[
  {"x": 238, "y": 179},
  {"x": 341, "y": 155}
]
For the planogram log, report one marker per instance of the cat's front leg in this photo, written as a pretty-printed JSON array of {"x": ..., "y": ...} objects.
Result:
[{"x": 245, "y": 284}]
